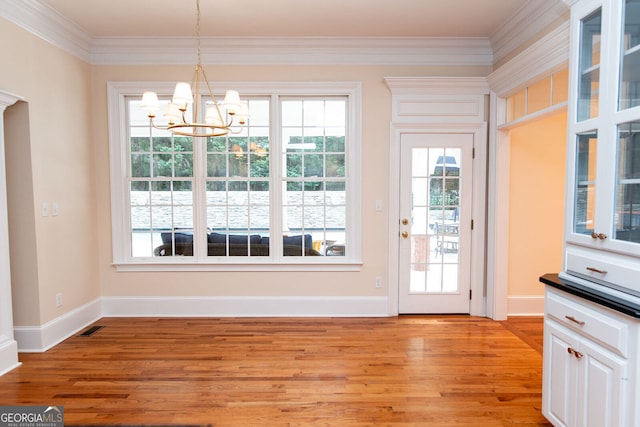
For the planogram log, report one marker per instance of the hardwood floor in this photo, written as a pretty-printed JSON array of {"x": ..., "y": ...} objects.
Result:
[
  {"x": 407, "y": 370},
  {"x": 528, "y": 328}
]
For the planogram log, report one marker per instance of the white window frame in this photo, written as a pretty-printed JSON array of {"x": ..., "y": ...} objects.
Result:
[{"x": 117, "y": 92}]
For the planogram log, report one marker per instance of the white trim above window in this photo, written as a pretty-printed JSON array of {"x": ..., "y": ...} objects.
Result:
[{"x": 121, "y": 95}]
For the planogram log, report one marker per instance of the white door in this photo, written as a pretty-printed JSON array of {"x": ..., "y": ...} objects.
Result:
[{"x": 435, "y": 222}]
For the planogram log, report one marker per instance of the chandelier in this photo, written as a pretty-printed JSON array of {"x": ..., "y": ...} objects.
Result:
[{"x": 229, "y": 116}]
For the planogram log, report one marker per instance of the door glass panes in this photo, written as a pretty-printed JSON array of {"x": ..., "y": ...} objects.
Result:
[
  {"x": 435, "y": 225},
  {"x": 630, "y": 56},
  {"x": 314, "y": 174},
  {"x": 627, "y": 214},
  {"x": 589, "y": 66},
  {"x": 585, "y": 191},
  {"x": 237, "y": 188}
]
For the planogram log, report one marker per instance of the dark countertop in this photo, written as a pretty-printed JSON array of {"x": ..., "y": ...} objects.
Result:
[{"x": 618, "y": 304}]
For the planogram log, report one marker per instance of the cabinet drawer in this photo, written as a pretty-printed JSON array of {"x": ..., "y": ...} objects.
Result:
[
  {"x": 594, "y": 322},
  {"x": 615, "y": 270}
]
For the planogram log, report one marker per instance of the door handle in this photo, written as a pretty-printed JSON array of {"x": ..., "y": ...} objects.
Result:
[
  {"x": 405, "y": 221},
  {"x": 405, "y": 234}
]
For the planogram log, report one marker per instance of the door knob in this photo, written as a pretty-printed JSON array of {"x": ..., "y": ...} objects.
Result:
[
  {"x": 405, "y": 221},
  {"x": 405, "y": 234}
]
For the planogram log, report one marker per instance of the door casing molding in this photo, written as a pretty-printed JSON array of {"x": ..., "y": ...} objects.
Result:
[{"x": 440, "y": 105}]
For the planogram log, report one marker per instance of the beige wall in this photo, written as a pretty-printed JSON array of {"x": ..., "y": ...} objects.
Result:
[
  {"x": 66, "y": 107},
  {"x": 536, "y": 213},
  {"x": 60, "y": 253},
  {"x": 376, "y": 115}
]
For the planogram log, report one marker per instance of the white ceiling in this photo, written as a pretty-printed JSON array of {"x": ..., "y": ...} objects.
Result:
[{"x": 289, "y": 18}]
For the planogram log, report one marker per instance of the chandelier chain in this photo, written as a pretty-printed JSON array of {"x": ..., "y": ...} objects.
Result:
[
  {"x": 219, "y": 119},
  {"x": 198, "y": 28}
]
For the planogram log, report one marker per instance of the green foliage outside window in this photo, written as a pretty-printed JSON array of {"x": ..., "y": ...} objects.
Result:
[{"x": 240, "y": 156}]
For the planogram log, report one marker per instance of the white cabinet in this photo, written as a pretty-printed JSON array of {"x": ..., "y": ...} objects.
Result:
[
  {"x": 603, "y": 181},
  {"x": 589, "y": 355}
]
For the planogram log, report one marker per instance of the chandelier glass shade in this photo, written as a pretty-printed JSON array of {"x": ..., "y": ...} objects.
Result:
[{"x": 220, "y": 118}]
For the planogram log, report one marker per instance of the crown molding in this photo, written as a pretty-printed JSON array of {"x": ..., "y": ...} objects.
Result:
[
  {"x": 38, "y": 18},
  {"x": 526, "y": 23},
  {"x": 546, "y": 56},
  {"x": 298, "y": 50}
]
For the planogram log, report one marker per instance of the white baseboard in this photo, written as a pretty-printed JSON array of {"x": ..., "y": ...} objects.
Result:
[
  {"x": 245, "y": 306},
  {"x": 527, "y": 305},
  {"x": 8, "y": 356},
  {"x": 35, "y": 339}
]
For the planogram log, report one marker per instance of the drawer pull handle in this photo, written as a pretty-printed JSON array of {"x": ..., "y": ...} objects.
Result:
[
  {"x": 597, "y": 270},
  {"x": 574, "y": 320}
]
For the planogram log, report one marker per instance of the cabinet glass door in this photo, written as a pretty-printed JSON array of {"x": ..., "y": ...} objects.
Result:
[
  {"x": 627, "y": 215},
  {"x": 589, "y": 68},
  {"x": 585, "y": 187},
  {"x": 630, "y": 58}
]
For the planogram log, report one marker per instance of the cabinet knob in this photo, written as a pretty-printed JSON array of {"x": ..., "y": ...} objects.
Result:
[{"x": 575, "y": 353}]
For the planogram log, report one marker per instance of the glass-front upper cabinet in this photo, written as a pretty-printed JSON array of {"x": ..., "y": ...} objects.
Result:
[
  {"x": 629, "y": 91},
  {"x": 585, "y": 183},
  {"x": 603, "y": 212},
  {"x": 627, "y": 213},
  {"x": 589, "y": 68}
]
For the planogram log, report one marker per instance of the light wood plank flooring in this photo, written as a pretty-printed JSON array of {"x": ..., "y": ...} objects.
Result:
[{"x": 407, "y": 370}]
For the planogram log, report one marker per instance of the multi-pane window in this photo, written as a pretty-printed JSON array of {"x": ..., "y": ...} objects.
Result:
[
  {"x": 279, "y": 189},
  {"x": 314, "y": 171}
]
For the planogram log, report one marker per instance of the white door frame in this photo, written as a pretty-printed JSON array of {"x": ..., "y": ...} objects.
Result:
[
  {"x": 477, "y": 268},
  {"x": 440, "y": 105}
]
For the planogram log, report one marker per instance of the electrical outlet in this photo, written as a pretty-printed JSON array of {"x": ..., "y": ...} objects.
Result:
[
  {"x": 378, "y": 282},
  {"x": 58, "y": 300}
]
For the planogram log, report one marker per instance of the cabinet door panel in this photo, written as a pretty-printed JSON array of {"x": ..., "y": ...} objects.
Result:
[
  {"x": 559, "y": 375},
  {"x": 603, "y": 381}
]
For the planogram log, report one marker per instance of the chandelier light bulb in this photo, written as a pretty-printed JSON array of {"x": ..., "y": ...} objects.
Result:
[
  {"x": 182, "y": 94},
  {"x": 150, "y": 102},
  {"x": 232, "y": 101},
  {"x": 173, "y": 113}
]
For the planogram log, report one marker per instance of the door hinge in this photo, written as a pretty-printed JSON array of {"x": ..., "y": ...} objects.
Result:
[
  {"x": 470, "y": 293},
  {"x": 473, "y": 153},
  {"x": 472, "y": 224}
]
